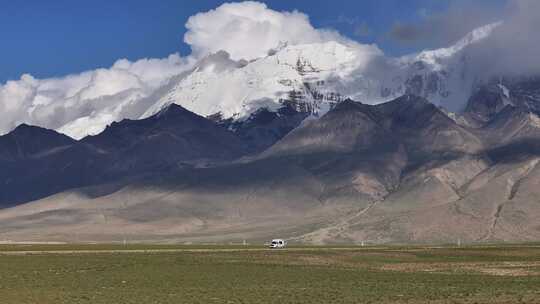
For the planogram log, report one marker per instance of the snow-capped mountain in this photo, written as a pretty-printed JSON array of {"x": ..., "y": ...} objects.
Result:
[
  {"x": 308, "y": 74},
  {"x": 309, "y": 77},
  {"x": 313, "y": 77}
]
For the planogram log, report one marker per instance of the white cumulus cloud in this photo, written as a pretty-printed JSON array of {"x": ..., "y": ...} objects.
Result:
[
  {"x": 85, "y": 103},
  {"x": 247, "y": 30}
]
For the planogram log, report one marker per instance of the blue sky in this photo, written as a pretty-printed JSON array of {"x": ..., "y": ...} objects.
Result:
[{"x": 59, "y": 37}]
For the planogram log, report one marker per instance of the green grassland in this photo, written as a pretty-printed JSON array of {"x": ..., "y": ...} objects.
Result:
[{"x": 235, "y": 274}]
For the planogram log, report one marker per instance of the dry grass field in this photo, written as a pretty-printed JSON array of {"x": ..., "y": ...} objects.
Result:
[{"x": 96, "y": 274}]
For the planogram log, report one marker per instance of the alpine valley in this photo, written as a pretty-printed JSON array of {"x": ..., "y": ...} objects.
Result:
[{"x": 311, "y": 143}]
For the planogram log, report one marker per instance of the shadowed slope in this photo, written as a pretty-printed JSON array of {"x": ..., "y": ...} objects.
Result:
[
  {"x": 43, "y": 162},
  {"x": 402, "y": 171}
]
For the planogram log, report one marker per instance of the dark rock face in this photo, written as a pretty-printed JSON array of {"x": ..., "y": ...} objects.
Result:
[
  {"x": 426, "y": 130},
  {"x": 425, "y": 83},
  {"x": 27, "y": 141},
  {"x": 172, "y": 138},
  {"x": 264, "y": 128},
  {"x": 348, "y": 127},
  {"x": 175, "y": 128},
  {"x": 485, "y": 103},
  {"x": 491, "y": 98},
  {"x": 38, "y": 162},
  {"x": 525, "y": 92}
]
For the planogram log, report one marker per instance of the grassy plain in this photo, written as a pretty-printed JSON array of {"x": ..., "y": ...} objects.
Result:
[{"x": 234, "y": 274}]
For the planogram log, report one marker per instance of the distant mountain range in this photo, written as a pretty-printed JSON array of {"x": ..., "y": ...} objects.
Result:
[
  {"x": 401, "y": 171},
  {"x": 279, "y": 147}
]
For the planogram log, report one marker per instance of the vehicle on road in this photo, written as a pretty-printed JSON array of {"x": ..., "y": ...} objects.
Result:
[{"x": 278, "y": 243}]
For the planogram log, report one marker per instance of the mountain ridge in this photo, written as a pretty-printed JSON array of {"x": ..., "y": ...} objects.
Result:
[{"x": 402, "y": 171}]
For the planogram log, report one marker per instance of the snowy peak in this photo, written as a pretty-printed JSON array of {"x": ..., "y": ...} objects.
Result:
[
  {"x": 312, "y": 78},
  {"x": 434, "y": 57},
  {"x": 237, "y": 89}
]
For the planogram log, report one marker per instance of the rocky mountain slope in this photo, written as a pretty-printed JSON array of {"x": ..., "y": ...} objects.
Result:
[
  {"x": 401, "y": 171},
  {"x": 37, "y": 162}
]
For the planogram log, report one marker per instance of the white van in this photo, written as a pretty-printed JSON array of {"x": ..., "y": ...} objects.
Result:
[{"x": 278, "y": 243}]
